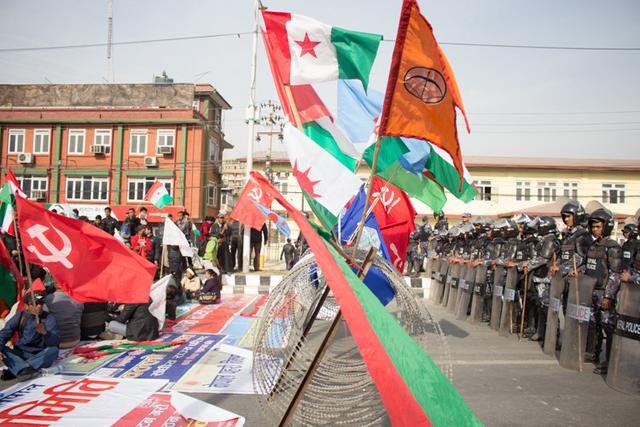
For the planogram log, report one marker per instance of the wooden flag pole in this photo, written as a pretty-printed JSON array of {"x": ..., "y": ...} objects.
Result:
[
  {"x": 26, "y": 263},
  {"x": 524, "y": 302}
]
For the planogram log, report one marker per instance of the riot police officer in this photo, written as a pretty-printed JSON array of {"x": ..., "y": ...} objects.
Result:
[
  {"x": 539, "y": 267},
  {"x": 603, "y": 263},
  {"x": 630, "y": 246}
]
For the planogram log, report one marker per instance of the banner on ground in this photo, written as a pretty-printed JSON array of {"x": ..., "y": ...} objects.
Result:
[{"x": 71, "y": 401}]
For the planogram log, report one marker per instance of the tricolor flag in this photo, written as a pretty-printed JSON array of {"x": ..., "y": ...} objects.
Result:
[
  {"x": 158, "y": 195},
  {"x": 325, "y": 181},
  {"x": 413, "y": 389},
  {"x": 308, "y": 51},
  {"x": 10, "y": 279},
  {"x": 8, "y": 201}
]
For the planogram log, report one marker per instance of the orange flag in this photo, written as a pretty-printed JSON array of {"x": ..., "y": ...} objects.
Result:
[{"x": 422, "y": 93}]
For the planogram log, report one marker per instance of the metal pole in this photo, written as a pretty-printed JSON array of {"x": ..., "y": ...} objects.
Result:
[{"x": 251, "y": 120}]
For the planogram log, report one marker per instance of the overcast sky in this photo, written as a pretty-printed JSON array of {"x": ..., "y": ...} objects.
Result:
[{"x": 529, "y": 102}]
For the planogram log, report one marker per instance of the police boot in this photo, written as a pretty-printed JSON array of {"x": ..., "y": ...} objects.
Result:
[
  {"x": 531, "y": 327},
  {"x": 542, "y": 325}
]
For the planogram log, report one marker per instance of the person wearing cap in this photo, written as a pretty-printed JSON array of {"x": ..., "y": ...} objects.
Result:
[
  {"x": 466, "y": 217},
  {"x": 191, "y": 284},
  {"x": 37, "y": 344}
]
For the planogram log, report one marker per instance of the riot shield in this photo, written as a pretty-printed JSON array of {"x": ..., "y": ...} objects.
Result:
[
  {"x": 496, "y": 303},
  {"x": 576, "y": 324},
  {"x": 446, "y": 282},
  {"x": 477, "y": 299},
  {"x": 461, "y": 283},
  {"x": 427, "y": 283},
  {"x": 436, "y": 281},
  {"x": 466, "y": 289},
  {"x": 555, "y": 306},
  {"x": 624, "y": 362},
  {"x": 454, "y": 273},
  {"x": 508, "y": 321}
]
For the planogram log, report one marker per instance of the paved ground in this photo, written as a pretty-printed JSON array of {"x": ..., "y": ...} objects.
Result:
[{"x": 511, "y": 383}]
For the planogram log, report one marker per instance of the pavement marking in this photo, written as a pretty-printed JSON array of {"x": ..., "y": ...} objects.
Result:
[{"x": 503, "y": 362}]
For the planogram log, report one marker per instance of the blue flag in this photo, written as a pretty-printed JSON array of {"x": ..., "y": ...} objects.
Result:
[{"x": 280, "y": 222}]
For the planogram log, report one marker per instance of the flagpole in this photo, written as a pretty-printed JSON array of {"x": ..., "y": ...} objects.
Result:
[
  {"x": 26, "y": 263},
  {"x": 374, "y": 167},
  {"x": 251, "y": 119}
]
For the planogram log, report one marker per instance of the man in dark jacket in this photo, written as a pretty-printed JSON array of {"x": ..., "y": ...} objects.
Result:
[
  {"x": 136, "y": 323},
  {"x": 37, "y": 345},
  {"x": 108, "y": 223},
  {"x": 256, "y": 244}
]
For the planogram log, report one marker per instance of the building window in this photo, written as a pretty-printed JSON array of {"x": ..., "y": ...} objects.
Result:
[
  {"x": 214, "y": 154},
  {"x": 16, "y": 141},
  {"x": 138, "y": 187},
  {"x": 41, "y": 138},
  {"x": 76, "y": 141},
  {"x": 88, "y": 188},
  {"x": 523, "y": 190},
  {"x": 103, "y": 137},
  {"x": 217, "y": 119},
  {"x": 166, "y": 138},
  {"x": 212, "y": 194},
  {"x": 138, "y": 144},
  {"x": 31, "y": 185},
  {"x": 613, "y": 193},
  {"x": 546, "y": 191},
  {"x": 570, "y": 189},
  {"x": 484, "y": 190}
]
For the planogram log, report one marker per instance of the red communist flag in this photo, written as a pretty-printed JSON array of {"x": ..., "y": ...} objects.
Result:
[
  {"x": 394, "y": 212},
  {"x": 245, "y": 210},
  {"x": 89, "y": 264}
]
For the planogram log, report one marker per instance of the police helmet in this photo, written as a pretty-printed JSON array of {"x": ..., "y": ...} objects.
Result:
[
  {"x": 632, "y": 229},
  {"x": 521, "y": 219},
  {"x": 546, "y": 225},
  {"x": 531, "y": 227},
  {"x": 572, "y": 207},
  {"x": 605, "y": 217}
]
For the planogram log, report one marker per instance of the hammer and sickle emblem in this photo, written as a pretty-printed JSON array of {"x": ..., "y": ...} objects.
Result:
[
  {"x": 38, "y": 231},
  {"x": 388, "y": 199},
  {"x": 255, "y": 194}
]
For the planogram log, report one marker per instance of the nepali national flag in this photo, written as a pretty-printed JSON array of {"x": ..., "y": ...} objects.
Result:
[{"x": 89, "y": 264}]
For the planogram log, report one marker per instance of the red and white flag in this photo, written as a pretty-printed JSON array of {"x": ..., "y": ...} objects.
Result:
[
  {"x": 246, "y": 211},
  {"x": 89, "y": 264}
]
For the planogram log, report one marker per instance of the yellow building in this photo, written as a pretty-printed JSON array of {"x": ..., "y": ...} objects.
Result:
[{"x": 506, "y": 185}]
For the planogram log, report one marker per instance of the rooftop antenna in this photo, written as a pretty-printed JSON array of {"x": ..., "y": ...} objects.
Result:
[{"x": 109, "y": 41}]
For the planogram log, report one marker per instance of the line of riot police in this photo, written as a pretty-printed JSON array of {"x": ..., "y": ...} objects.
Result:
[{"x": 572, "y": 291}]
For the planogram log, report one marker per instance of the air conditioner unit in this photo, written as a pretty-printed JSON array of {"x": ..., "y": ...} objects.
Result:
[
  {"x": 26, "y": 158},
  {"x": 164, "y": 150},
  {"x": 98, "y": 149},
  {"x": 39, "y": 194},
  {"x": 150, "y": 161}
]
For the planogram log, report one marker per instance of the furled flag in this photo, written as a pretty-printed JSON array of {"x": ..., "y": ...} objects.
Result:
[
  {"x": 326, "y": 183},
  {"x": 7, "y": 202},
  {"x": 246, "y": 211},
  {"x": 422, "y": 94},
  {"x": 89, "y": 264},
  {"x": 308, "y": 51},
  {"x": 172, "y": 235},
  {"x": 158, "y": 195},
  {"x": 413, "y": 389},
  {"x": 357, "y": 111},
  {"x": 10, "y": 279},
  {"x": 278, "y": 220}
]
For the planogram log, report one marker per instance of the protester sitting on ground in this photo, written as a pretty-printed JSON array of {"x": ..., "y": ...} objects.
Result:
[
  {"x": 135, "y": 322},
  {"x": 191, "y": 284},
  {"x": 37, "y": 344},
  {"x": 94, "y": 316},
  {"x": 174, "y": 297},
  {"x": 68, "y": 314},
  {"x": 210, "y": 292}
]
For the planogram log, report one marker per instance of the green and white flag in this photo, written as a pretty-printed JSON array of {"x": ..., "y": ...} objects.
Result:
[
  {"x": 325, "y": 181},
  {"x": 308, "y": 51},
  {"x": 158, "y": 195}
]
